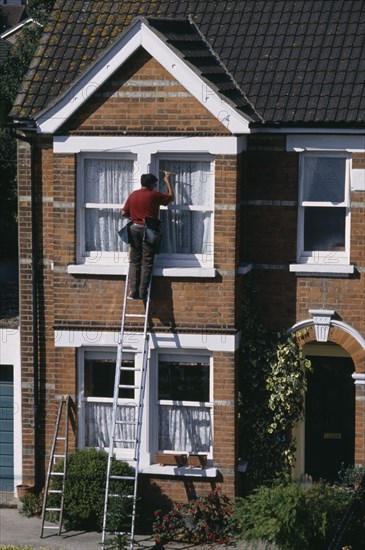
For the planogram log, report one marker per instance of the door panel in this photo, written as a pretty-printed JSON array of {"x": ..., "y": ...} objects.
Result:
[
  {"x": 6, "y": 427},
  {"x": 330, "y": 417}
]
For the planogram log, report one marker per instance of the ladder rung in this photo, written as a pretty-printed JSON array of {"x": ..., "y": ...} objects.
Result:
[
  {"x": 125, "y": 422},
  {"x": 51, "y": 526},
  {"x": 135, "y": 315},
  {"x": 126, "y": 478},
  {"x": 55, "y": 491},
  {"x": 57, "y": 473},
  {"x": 113, "y": 495},
  {"x": 53, "y": 509},
  {"x": 124, "y": 440},
  {"x": 59, "y": 456},
  {"x": 130, "y": 369},
  {"x": 120, "y": 533},
  {"x": 128, "y": 387},
  {"x": 60, "y": 438}
]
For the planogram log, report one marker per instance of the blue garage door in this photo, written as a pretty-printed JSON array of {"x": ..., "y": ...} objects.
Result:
[{"x": 6, "y": 428}]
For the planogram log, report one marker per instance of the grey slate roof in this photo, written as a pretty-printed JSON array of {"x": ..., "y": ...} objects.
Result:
[{"x": 296, "y": 62}]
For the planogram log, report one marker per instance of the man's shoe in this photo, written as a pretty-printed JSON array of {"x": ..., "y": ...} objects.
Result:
[{"x": 133, "y": 296}]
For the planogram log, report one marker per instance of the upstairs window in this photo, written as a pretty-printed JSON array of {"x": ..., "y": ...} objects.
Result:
[
  {"x": 324, "y": 209},
  {"x": 105, "y": 183},
  {"x": 187, "y": 223}
]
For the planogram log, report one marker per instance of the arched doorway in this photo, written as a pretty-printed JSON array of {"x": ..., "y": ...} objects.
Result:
[{"x": 329, "y": 416}]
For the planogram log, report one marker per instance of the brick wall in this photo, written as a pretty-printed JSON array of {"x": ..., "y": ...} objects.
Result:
[{"x": 143, "y": 98}]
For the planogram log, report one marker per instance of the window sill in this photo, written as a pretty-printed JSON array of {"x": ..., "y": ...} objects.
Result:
[
  {"x": 322, "y": 269},
  {"x": 243, "y": 269},
  {"x": 90, "y": 269},
  {"x": 183, "y": 471}
]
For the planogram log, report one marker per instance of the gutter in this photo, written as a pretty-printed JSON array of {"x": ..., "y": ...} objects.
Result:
[{"x": 30, "y": 126}]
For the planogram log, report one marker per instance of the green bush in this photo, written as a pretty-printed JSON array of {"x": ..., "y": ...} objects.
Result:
[
  {"x": 31, "y": 505},
  {"x": 294, "y": 518},
  {"x": 85, "y": 492}
]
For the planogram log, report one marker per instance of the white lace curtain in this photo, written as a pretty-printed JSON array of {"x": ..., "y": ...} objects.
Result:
[
  {"x": 184, "y": 429},
  {"x": 180, "y": 428},
  {"x": 98, "y": 422},
  {"x": 188, "y": 231},
  {"x": 106, "y": 182}
]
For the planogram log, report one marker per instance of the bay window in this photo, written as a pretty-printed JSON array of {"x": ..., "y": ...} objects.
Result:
[{"x": 324, "y": 209}]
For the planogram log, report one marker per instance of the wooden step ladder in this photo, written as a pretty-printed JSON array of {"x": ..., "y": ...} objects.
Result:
[{"x": 59, "y": 452}]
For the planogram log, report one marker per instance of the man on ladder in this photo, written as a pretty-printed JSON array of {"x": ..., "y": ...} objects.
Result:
[{"x": 142, "y": 207}]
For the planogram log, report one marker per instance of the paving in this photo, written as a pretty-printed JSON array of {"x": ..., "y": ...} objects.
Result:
[{"x": 18, "y": 530}]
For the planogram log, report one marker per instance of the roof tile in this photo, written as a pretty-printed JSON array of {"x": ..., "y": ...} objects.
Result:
[{"x": 294, "y": 61}]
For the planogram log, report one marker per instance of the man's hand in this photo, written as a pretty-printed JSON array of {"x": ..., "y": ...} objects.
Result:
[{"x": 166, "y": 177}]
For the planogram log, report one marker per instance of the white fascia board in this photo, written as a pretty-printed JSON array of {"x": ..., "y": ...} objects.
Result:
[
  {"x": 140, "y": 35},
  {"x": 54, "y": 117},
  {"x": 185, "y": 341},
  {"x": 218, "y": 107},
  {"x": 303, "y": 131},
  {"x": 229, "y": 145},
  {"x": 316, "y": 142}
]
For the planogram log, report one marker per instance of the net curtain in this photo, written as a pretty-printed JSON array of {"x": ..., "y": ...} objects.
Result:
[
  {"x": 107, "y": 181},
  {"x": 188, "y": 231}
]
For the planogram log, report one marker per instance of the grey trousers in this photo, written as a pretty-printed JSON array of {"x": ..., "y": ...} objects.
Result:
[{"x": 141, "y": 256}]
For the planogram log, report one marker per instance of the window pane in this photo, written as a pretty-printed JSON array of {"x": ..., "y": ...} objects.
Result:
[
  {"x": 324, "y": 229},
  {"x": 102, "y": 226},
  {"x": 98, "y": 420},
  {"x": 185, "y": 231},
  {"x": 99, "y": 378},
  {"x": 324, "y": 179},
  {"x": 192, "y": 182},
  {"x": 108, "y": 180},
  {"x": 183, "y": 381},
  {"x": 184, "y": 429}
]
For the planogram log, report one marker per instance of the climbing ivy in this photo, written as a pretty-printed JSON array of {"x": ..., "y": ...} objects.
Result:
[{"x": 272, "y": 385}]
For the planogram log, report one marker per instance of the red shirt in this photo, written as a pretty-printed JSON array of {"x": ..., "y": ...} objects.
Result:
[{"x": 144, "y": 203}]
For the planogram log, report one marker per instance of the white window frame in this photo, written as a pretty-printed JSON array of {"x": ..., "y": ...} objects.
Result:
[
  {"x": 206, "y": 259},
  {"x": 178, "y": 355},
  {"x": 97, "y": 257},
  {"x": 102, "y": 353},
  {"x": 321, "y": 257}
]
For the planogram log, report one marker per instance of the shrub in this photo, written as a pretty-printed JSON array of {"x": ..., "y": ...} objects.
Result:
[
  {"x": 295, "y": 518},
  {"x": 203, "y": 520},
  {"x": 85, "y": 492},
  {"x": 31, "y": 505}
]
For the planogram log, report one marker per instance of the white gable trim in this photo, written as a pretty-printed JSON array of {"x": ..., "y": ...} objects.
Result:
[{"x": 141, "y": 35}]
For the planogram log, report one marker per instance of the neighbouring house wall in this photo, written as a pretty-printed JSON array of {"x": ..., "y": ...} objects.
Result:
[{"x": 270, "y": 220}]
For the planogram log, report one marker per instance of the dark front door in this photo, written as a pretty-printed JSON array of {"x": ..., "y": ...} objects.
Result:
[{"x": 330, "y": 417}]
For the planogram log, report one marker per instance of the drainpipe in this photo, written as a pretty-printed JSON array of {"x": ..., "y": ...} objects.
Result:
[{"x": 30, "y": 126}]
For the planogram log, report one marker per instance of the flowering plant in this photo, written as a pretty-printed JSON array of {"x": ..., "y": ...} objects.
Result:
[{"x": 202, "y": 520}]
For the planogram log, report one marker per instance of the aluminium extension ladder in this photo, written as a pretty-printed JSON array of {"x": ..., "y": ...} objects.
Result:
[
  {"x": 58, "y": 441},
  {"x": 137, "y": 421}
]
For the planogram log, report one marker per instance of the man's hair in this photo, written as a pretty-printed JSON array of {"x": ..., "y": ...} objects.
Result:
[{"x": 148, "y": 179}]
